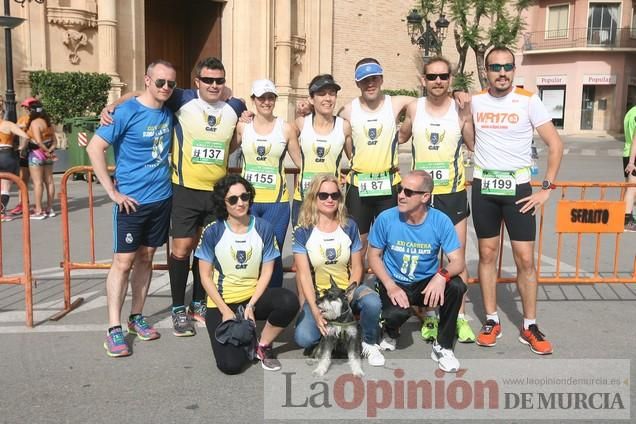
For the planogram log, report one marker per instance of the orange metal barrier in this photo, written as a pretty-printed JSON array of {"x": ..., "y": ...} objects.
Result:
[
  {"x": 543, "y": 277},
  {"x": 25, "y": 278}
]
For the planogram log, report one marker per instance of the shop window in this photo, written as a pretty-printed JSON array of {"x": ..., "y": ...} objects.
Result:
[{"x": 557, "y": 21}]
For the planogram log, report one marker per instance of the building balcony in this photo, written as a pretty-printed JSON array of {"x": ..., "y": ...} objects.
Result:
[{"x": 573, "y": 39}]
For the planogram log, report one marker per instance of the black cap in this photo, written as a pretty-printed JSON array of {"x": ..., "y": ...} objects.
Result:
[{"x": 324, "y": 82}]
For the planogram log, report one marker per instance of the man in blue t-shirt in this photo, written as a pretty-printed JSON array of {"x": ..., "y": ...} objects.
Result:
[
  {"x": 142, "y": 195},
  {"x": 404, "y": 247}
]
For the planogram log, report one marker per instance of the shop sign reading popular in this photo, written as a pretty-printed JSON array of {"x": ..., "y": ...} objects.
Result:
[
  {"x": 599, "y": 79},
  {"x": 552, "y": 80},
  {"x": 589, "y": 216}
]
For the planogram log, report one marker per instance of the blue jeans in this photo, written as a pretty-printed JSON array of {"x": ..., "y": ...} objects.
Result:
[
  {"x": 369, "y": 307},
  {"x": 277, "y": 214}
]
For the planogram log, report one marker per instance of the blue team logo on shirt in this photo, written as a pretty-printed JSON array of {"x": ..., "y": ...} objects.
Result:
[
  {"x": 321, "y": 151},
  {"x": 262, "y": 150},
  {"x": 331, "y": 254},
  {"x": 213, "y": 122},
  {"x": 373, "y": 132},
  {"x": 434, "y": 138},
  {"x": 241, "y": 257}
]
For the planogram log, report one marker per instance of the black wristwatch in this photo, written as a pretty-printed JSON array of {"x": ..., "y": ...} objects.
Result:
[{"x": 547, "y": 185}]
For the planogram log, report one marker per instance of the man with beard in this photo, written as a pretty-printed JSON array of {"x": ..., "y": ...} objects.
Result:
[
  {"x": 439, "y": 128},
  {"x": 505, "y": 119}
]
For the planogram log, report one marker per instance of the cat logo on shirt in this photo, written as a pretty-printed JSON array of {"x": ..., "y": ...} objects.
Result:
[
  {"x": 262, "y": 150},
  {"x": 331, "y": 254},
  {"x": 241, "y": 257},
  {"x": 213, "y": 122},
  {"x": 321, "y": 151},
  {"x": 373, "y": 131},
  {"x": 434, "y": 138}
]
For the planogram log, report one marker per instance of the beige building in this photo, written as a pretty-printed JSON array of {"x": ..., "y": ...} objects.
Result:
[{"x": 288, "y": 41}]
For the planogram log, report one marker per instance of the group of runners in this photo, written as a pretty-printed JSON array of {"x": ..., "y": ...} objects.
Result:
[{"x": 400, "y": 225}]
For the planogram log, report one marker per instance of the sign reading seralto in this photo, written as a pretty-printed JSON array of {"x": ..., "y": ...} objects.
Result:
[{"x": 590, "y": 216}]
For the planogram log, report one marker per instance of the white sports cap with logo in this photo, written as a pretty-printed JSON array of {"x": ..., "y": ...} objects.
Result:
[{"x": 262, "y": 86}]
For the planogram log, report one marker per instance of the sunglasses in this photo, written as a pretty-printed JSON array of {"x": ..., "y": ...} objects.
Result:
[
  {"x": 433, "y": 77},
  {"x": 323, "y": 195},
  {"x": 211, "y": 80},
  {"x": 408, "y": 192},
  {"x": 159, "y": 83},
  {"x": 496, "y": 67},
  {"x": 233, "y": 200}
]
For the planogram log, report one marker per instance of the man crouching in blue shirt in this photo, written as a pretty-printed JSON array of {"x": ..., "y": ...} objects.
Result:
[
  {"x": 140, "y": 137},
  {"x": 404, "y": 246}
]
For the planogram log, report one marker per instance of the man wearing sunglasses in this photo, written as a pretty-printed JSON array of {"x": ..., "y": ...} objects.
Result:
[
  {"x": 140, "y": 137},
  {"x": 439, "y": 128},
  {"x": 404, "y": 247},
  {"x": 202, "y": 142},
  {"x": 374, "y": 163},
  {"x": 505, "y": 119}
]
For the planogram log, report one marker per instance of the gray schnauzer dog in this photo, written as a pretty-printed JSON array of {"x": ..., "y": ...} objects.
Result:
[{"x": 342, "y": 330}]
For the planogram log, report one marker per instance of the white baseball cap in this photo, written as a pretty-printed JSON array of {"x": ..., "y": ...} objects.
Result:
[{"x": 262, "y": 86}]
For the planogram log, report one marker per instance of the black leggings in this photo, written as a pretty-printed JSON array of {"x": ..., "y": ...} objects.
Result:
[
  {"x": 277, "y": 305},
  {"x": 394, "y": 316}
]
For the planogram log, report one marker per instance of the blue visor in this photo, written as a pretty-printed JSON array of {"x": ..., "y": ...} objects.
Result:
[{"x": 368, "y": 70}]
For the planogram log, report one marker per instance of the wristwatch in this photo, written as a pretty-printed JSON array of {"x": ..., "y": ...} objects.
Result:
[
  {"x": 547, "y": 185},
  {"x": 444, "y": 273}
]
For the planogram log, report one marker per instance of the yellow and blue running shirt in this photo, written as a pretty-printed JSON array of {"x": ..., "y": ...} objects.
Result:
[
  {"x": 202, "y": 136},
  {"x": 321, "y": 154},
  {"x": 237, "y": 258},
  {"x": 437, "y": 148},
  {"x": 374, "y": 142},
  {"x": 328, "y": 253},
  {"x": 263, "y": 159}
]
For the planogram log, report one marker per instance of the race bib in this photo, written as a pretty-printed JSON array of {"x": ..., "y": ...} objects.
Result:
[
  {"x": 498, "y": 183},
  {"x": 439, "y": 171},
  {"x": 261, "y": 177},
  {"x": 306, "y": 180},
  {"x": 208, "y": 152},
  {"x": 370, "y": 185}
]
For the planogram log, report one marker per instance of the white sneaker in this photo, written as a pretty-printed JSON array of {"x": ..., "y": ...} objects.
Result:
[
  {"x": 445, "y": 358},
  {"x": 51, "y": 213},
  {"x": 373, "y": 354},
  {"x": 388, "y": 343}
]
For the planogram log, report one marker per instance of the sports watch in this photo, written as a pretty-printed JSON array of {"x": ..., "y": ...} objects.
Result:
[{"x": 547, "y": 185}]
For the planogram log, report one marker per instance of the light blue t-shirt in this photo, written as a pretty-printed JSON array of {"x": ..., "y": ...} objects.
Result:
[
  {"x": 411, "y": 252},
  {"x": 140, "y": 137}
]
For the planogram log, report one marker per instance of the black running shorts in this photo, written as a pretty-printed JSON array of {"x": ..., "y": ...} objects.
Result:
[
  {"x": 191, "y": 209},
  {"x": 454, "y": 205}
]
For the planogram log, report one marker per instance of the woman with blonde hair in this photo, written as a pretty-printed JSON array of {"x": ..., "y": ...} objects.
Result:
[{"x": 326, "y": 247}]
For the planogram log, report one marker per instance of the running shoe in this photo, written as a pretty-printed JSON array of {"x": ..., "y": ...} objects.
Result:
[
  {"x": 464, "y": 332},
  {"x": 388, "y": 343},
  {"x": 445, "y": 358},
  {"x": 429, "y": 328},
  {"x": 6, "y": 218},
  {"x": 267, "y": 358},
  {"x": 16, "y": 211},
  {"x": 373, "y": 354},
  {"x": 142, "y": 328},
  {"x": 181, "y": 324},
  {"x": 39, "y": 216},
  {"x": 115, "y": 344},
  {"x": 536, "y": 340},
  {"x": 489, "y": 333},
  {"x": 51, "y": 213},
  {"x": 197, "y": 311},
  {"x": 630, "y": 227}
]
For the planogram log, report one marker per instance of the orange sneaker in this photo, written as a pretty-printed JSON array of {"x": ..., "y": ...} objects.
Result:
[
  {"x": 536, "y": 340},
  {"x": 489, "y": 334}
]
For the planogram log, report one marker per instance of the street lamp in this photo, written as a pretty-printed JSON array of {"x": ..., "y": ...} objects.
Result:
[{"x": 425, "y": 36}]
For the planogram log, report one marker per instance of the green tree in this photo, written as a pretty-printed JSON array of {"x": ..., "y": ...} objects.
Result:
[{"x": 504, "y": 27}]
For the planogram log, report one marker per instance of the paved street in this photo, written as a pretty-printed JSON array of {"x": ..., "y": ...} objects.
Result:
[{"x": 59, "y": 372}]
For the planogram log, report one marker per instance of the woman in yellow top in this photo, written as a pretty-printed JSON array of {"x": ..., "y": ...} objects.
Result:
[
  {"x": 40, "y": 131},
  {"x": 264, "y": 142},
  {"x": 8, "y": 159}
]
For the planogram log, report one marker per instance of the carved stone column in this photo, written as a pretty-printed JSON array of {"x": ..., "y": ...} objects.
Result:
[
  {"x": 107, "y": 44},
  {"x": 283, "y": 54}
]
